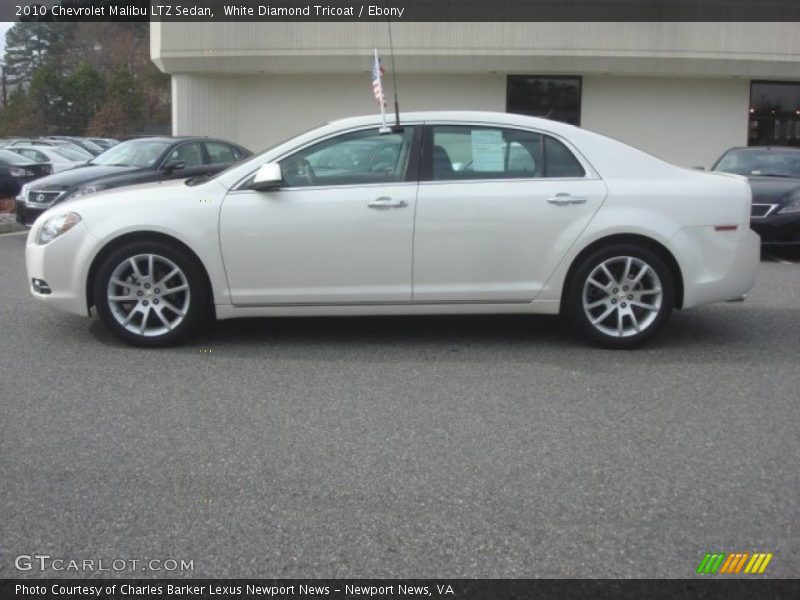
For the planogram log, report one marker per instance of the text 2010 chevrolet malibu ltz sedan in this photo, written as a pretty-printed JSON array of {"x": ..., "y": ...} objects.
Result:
[{"x": 452, "y": 212}]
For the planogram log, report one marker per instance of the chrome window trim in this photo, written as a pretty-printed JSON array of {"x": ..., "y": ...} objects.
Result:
[{"x": 591, "y": 173}]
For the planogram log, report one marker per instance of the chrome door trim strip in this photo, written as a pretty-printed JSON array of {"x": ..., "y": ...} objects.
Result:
[{"x": 377, "y": 303}]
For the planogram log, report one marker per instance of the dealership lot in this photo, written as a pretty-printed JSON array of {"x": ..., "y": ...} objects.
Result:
[{"x": 383, "y": 447}]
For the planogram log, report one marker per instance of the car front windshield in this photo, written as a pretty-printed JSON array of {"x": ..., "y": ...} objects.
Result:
[
  {"x": 770, "y": 163},
  {"x": 135, "y": 153}
]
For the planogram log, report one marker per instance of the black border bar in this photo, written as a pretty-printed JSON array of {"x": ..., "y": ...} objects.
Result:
[
  {"x": 714, "y": 588},
  {"x": 402, "y": 10}
]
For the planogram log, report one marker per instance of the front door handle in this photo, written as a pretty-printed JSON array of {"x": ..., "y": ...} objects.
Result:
[
  {"x": 386, "y": 202},
  {"x": 564, "y": 199}
]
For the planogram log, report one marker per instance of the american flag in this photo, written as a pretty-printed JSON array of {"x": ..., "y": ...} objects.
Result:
[{"x": 377, "y": 86}]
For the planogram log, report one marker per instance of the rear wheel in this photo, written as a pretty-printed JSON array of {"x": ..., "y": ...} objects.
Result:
[
  {"x": 151, "y": 294},
  {"x": 620, "y": 296}
]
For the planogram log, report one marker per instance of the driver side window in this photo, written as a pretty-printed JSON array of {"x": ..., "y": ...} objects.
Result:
[{"x": 357, "y": 158}]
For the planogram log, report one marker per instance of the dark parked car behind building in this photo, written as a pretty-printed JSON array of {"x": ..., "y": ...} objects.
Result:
[
  {"x": 774, "y": 174},
  {"x": 129, "y": 163}
]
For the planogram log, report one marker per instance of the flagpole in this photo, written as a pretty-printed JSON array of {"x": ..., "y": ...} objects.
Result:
[{"x": 384, "y": 128}]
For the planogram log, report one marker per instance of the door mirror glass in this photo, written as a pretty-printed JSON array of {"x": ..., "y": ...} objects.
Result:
[{"x": 268, "y": 177}]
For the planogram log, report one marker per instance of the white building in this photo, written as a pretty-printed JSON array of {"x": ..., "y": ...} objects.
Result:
[{"x": 682, "y": 91}]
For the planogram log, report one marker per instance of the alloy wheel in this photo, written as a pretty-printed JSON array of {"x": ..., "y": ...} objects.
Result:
[
  {"x": 622, "y": 296},
  {"x": 148, "y": 295}
]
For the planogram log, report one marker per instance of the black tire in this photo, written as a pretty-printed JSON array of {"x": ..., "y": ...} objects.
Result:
[
  {"x": 605, "y": 333},
  {"x": 193, "y": 303}
]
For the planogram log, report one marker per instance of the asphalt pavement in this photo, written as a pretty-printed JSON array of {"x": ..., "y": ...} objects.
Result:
[{"x": 490, "y": 446}]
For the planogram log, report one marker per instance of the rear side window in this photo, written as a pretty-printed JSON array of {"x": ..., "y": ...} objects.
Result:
[
  {"x": 560, "y": 161},
  {"x": 220, "y": 153},
  {"x": 467, "y": 152}
]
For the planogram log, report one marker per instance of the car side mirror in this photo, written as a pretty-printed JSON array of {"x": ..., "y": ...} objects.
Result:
[
  {"x": 174, "y": 165},
  {"x": 268, "y": 177}
]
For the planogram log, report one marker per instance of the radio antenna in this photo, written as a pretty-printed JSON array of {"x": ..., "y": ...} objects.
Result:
[{"x": 394, "y": 75}]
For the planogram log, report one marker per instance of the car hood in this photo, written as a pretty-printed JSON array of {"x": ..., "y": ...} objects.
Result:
[
  {"x": 772, "y": 190},
  {"x": 128, "y": 194},
  {"x": 79, "y": 176}
]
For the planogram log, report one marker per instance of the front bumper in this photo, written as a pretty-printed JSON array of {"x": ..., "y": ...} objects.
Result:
[
  {"x": 778, "y": 229},
  {"x": 26, "y": 215},
  {"x": 62, "y": 265}
]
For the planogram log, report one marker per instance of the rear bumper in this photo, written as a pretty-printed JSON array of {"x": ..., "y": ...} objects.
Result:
[{"x": 717, "y": 266}]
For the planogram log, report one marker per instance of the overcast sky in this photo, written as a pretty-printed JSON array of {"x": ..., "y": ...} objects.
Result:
[{"x": 4, "y": 27}]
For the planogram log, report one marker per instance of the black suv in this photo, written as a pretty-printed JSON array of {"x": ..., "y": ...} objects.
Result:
[{"x": 136, "y": 161}]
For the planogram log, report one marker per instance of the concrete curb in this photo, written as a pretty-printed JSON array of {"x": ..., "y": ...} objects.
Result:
[{"x": 9, "y": 225}]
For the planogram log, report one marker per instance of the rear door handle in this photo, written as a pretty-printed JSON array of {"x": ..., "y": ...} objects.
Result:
[
  {"x": 386, "y": 202},
  {"x": 564, "y": 199}
]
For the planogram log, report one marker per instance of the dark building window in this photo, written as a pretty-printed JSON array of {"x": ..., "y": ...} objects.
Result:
[
  {"x": 552, "y": 97},
  {"x": 774, "y": 114}
]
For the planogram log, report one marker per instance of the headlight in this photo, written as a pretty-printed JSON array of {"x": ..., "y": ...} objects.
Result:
[
  {"x": 23, "y": 193},
  {"x": 792, "y": 207},
  {"x": 56, "y": 225},
  {"x": 84, "y": 191}
]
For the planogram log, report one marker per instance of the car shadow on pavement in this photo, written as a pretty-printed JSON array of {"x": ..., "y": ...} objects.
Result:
[
  {"x": 394, "y": 330},
  {"x": 732, "y": 330}
]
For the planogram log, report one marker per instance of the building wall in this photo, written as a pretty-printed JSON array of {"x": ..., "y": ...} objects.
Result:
[
  {"x": 688, "y": 121},
  {"x": 763, "y": 50}
]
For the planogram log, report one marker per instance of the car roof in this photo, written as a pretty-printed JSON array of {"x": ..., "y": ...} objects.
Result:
[
  {"x": 178, "y": 138},
  {"x": 467, "y": 116},
  {"x": 766, "y": 148}
]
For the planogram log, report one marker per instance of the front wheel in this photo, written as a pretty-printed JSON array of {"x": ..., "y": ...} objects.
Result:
[
  {"x": 150, "y": 294},
  {"x": 620, "y": 296}
]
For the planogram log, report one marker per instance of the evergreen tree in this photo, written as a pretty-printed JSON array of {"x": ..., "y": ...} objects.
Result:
[
  {"x": 84, "y": 94},
  {"x": 125, "y": 91},
  {"x": 29, "y": 45}
]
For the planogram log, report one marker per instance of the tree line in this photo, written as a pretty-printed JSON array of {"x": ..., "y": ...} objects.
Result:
[{"x": 81, "y": 79}]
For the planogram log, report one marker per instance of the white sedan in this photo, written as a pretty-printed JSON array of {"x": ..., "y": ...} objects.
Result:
[
  {"x": 61, "y": 159},
  {"x": 453, "y": 212}
]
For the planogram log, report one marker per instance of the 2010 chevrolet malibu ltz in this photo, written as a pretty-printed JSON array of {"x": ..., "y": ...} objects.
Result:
[{"x": 449, "y": 212}]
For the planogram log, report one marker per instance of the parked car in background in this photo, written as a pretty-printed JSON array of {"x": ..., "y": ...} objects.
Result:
[
  {"x": 16, "y": 171},
  {"x": 570, "y": 221},
  {"x": 104, "y": 143},
  {"x": 132, "y": 162},
  {"x": 84, "y": 143},
  {"x": 61, "y": 158},
  {"x": 774, "y": 175},
  {"x": 50, "y": 142}
]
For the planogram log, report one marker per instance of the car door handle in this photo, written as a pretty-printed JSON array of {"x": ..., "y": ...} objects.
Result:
[
  {"x": 564, "y": 199},
  {"x": 386, "y": 202}
]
